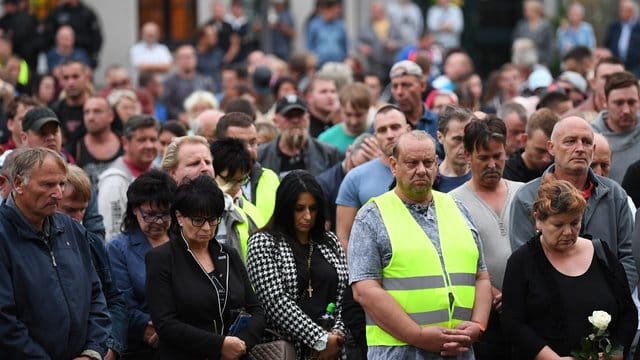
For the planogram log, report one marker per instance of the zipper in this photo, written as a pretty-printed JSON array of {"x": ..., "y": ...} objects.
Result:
[
  {"x": 55, "y": 267},
  {"x": 53, "y": 258},
  {"x": 226, "y": 294}
]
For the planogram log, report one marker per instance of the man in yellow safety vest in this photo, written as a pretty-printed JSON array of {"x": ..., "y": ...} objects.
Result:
[{"x": 416, "y": 264}]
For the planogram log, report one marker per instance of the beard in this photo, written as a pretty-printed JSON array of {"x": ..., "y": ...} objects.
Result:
[{"x": 295, "y": 138}]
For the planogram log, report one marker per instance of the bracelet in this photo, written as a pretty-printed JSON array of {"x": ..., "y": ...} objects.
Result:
[{"x": 482, "y": 327}]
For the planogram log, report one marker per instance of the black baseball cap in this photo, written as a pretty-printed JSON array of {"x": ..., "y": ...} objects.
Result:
[
  {"x": 37, "y": 117},
  {"x": 288, "y": 103}
]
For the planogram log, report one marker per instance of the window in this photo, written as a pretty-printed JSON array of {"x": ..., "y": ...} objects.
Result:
[{"x": 176, "y": 18}]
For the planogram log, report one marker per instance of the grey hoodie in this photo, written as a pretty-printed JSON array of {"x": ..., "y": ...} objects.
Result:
[
  {"x": 112, "y": 195},
  {"x": 625, "y": 146}
]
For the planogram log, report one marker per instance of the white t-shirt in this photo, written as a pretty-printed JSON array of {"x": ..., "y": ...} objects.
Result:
[{"x": 141, "y": 54}]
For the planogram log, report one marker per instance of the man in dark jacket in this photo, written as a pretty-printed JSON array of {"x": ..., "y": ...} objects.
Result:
[
  {"x": 84, "y": 22},
  {"x": 20, "y": 27},
  {"x": 623, "y": 36},
  {"x": 294, "y": 148},
  {"x": 51, "y": 302}
]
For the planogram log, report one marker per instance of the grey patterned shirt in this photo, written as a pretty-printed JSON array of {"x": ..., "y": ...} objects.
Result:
[{"x": 370, "y": 252}]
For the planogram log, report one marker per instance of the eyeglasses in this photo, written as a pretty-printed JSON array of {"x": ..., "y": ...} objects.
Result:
[
  {"x": 199, "y": 221},
  {"x": 241, "y": 182},
  {"x": 154, "y": 217}
]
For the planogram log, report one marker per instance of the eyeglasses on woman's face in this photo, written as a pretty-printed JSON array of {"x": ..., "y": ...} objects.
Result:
[
  {"x": 199, "y": 221},
  {"x": 154, "y": 217},
  {"x": 232, "y": 182}
]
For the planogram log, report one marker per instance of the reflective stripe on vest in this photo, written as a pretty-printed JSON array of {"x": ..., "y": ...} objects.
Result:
[
  {"x": 265, "y": 195},
  {"x": 415, "y": 278},
  {"x": 243, "y": 233}
]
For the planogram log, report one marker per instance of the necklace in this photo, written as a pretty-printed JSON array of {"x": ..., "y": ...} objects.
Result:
[{"x": 309, "y": 287}]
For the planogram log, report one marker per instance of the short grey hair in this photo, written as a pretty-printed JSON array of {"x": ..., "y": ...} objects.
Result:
[
  {"x": 524, "y": 52},
  {"x": 139, "y": 122},
  {"x": 199, "y": 97},
  {"x": 26, "y": 159},
  {"x": 512, "y": 107},
  {"x": 417, "y": 135}
]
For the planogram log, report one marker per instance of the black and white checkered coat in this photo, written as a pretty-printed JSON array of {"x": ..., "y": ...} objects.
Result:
[{"x": 272, "y": 270}]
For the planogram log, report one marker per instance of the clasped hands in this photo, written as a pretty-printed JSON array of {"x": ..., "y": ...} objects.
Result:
[{"x": 448, "y": 342}]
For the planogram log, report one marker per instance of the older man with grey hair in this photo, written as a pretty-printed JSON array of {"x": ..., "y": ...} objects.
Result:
[
  {"x": 71, "y": 319},
  {"x": 608, "y": 216},
  {"x": 205, "y": 124}
]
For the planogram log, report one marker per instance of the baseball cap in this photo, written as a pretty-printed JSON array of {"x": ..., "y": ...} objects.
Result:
[
  {"x": 574, "y": 79},
  {"x": 37, "y": 117},
  {"x": 288, "y": 103},
  {"x": 262, "y": 80},
  {"x": 540, "y": 78},
  {"x": 405, "y": 67}
]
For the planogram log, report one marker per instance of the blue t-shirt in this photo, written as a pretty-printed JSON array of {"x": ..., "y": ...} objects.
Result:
[
  {"x": 364, "y": 182},
  {"x": 447, "y": 183}
]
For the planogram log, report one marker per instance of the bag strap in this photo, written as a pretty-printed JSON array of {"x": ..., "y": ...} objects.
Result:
[
  {"x": 600, "y": 253},
  {"x": 274, "y": 333}
]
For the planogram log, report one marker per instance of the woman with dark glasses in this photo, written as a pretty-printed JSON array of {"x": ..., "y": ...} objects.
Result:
[
  {"x": 145, "y": 226},
  {"x": 200, "y": 299}
]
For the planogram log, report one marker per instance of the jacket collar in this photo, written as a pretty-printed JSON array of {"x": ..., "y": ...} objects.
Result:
[
  {"x": 26, "y": 230},
  {"x": 139, "y": 243},
  {"x": 600, "y": 188}
]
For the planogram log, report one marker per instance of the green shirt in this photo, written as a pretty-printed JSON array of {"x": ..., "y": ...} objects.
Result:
[{"x": 336, "y": 136}]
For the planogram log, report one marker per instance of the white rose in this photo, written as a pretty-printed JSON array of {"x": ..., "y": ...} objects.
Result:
[{"x": 600, "y": 319}]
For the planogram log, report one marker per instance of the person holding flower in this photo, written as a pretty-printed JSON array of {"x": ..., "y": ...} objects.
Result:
[{"x": 555, "y": 282}]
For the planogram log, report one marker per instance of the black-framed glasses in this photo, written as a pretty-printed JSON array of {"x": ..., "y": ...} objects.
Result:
[
  {"x": 198, "y": 221},
  {"x": 154, "y": 217}
]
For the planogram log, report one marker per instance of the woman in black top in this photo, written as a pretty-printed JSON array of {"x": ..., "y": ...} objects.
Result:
[
  {"x": 298, "y": 268},
  {"x": 197, "y": 287},
  {"x": 557, "y": 279}
]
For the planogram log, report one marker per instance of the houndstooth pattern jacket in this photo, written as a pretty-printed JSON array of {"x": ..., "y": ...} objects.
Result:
[{"x": 272, "y": 270}]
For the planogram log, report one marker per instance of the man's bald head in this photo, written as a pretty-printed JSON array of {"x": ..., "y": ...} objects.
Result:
[
  {"x": 601, "y": 163},
  {"x": 205, "y": 124},
  {"x": 572, "y": 146}
]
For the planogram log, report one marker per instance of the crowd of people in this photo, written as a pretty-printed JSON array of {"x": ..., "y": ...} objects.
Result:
[{"x": 368, "y": 198}]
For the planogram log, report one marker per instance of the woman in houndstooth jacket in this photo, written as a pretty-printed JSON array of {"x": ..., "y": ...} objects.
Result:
[{"x": 297, "y": 268}]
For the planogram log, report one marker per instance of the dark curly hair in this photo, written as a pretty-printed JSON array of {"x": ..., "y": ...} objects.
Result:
[{"x": 155, "y": 187}]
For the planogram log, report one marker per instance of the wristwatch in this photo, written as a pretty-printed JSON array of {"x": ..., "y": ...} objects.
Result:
[{"x": 321, "y": 344}]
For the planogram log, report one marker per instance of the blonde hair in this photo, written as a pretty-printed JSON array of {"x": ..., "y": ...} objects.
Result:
[
  {"x": 534, "y": 5},
  {"x": 200, "y": 97},
  {"x": 170, "y": 159},
  {"x": 77, "y": 178},
  {"x": 115, "y": 96}
]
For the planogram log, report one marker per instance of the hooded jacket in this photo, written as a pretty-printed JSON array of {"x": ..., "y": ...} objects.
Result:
[
  {"x": 625, "y": 146},
  {"x": 112, "y": 195}
]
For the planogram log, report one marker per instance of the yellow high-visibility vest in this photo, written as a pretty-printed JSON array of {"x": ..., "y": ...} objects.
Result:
[
  {"x": 265, "y": 196},
  {"x": 430, "y": 292}
]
